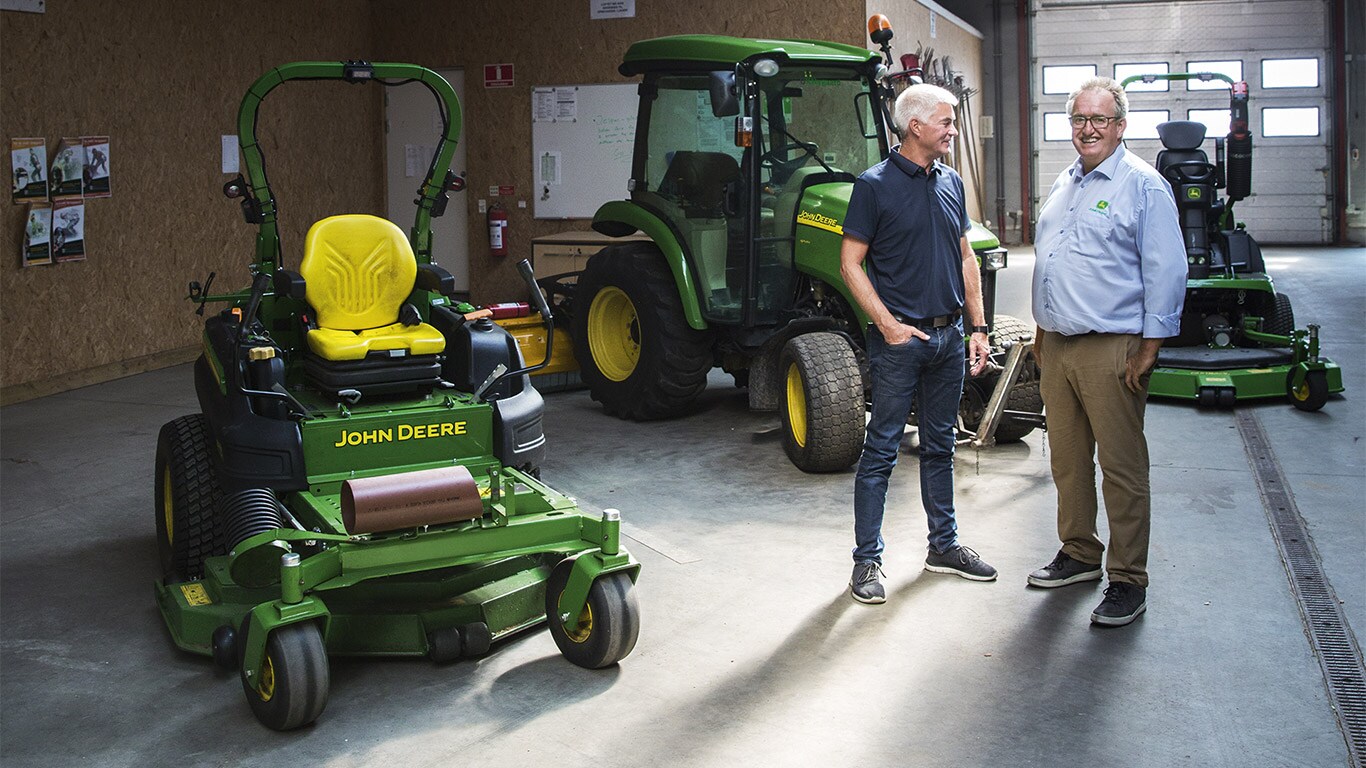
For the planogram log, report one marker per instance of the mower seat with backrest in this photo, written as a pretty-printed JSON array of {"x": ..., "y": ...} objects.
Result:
[
  {"x": 358, "y": 271},
  {"x": 1193, "y": 178}
]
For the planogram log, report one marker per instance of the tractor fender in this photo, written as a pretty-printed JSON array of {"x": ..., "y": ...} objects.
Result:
[{"x": 620, "y": 218}]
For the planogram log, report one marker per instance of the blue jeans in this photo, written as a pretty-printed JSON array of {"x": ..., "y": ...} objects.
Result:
[{"x": 931, "y": 373}]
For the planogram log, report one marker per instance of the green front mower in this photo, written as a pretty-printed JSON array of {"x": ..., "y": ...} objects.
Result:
[
  {"x": 363, "y": 478},
  {"x": 1238, "y": 339}
]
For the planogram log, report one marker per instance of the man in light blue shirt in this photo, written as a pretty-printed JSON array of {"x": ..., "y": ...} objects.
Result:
[{"x": 1109, "y": 284}]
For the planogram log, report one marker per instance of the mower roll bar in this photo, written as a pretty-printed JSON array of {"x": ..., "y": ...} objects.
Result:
[{"x": 259, "y": 202}]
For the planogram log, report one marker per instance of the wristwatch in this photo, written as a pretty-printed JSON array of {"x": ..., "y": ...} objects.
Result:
[{"x": 980, "y": 329}]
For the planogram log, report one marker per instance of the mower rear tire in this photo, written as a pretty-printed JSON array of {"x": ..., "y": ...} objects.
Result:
[
  {"x": 1282, "y": 319},
  {"x": 822, "y": 403},
  {"x": 186, "y": 497},
  {"x": 635, "y": 349},
  {"x": 292, "y": 684},
  {"x": 1312, "y": 394},
  {"x": 1024, "y": 396},
  {"x": 605, "y": 631}
]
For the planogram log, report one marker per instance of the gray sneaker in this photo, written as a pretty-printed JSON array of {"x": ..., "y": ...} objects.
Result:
[
  {"x": 865, "y": 586},
  {"x": 1063, "y": 571},
  {"x": 960, "y": 561},
  {"x": 1122, "y": 604}
]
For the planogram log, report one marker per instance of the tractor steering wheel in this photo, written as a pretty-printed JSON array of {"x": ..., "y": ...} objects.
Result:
[{"x": 1176, "y": 175}]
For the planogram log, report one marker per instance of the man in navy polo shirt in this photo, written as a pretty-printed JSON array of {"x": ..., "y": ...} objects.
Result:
[{"x": 908, "y": 220}]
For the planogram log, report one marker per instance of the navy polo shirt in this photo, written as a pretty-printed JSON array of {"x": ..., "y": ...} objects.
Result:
[{"x": 912, "y": 219}]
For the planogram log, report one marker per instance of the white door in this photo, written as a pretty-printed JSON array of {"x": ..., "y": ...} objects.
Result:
[{"x": 412, "y": 128}]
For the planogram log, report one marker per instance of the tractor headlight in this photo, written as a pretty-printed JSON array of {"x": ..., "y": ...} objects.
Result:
[
  {"x": 994, "y": 259},
  {"x": 765, "y": 67}
]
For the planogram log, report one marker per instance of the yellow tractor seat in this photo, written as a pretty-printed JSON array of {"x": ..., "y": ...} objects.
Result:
[{"x": 359, "y": 270}]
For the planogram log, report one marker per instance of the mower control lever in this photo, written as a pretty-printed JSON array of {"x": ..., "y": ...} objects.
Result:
[{"x": 500, "y": 371}]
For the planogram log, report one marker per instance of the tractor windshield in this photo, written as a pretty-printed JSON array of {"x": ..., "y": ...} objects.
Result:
[{"x": 734, "y": 206}]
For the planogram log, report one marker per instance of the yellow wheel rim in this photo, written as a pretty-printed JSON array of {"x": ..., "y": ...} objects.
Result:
[
  {"x": 1301, "y": 392},
  {"x": 580, "y": 629},
  {"x": 614, "y": 333},
  {"x": 796, "y": 405},
  {"x": 266, "y": 687},
  {"x": 168, "y": 504}
]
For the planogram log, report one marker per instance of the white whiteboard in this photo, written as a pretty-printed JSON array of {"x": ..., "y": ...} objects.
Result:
[{"x": 582, "y": 137}]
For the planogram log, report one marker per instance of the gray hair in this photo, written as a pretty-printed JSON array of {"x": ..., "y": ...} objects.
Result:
[
  {"x": 919, "y": 102},
  {"x": 1107, "y": 85}
]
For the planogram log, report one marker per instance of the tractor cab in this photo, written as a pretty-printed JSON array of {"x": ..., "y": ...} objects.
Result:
[{"x": 728, "y": 141}]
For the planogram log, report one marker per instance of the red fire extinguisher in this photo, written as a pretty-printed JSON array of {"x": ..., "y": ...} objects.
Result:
[{"x": 498, "y": 223}]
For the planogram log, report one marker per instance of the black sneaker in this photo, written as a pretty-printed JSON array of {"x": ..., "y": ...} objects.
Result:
[
  {"x": 865, "y": 586},
  {"x": 1063, "y": 571},
  {"x": 960, "y": 561},
  {"x": 1122, "y": 604}
]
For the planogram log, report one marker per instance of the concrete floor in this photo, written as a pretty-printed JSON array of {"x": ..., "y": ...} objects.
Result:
[{"x": 751, "y": 650}]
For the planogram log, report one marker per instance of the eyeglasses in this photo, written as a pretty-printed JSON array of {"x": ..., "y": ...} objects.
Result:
[{"x": 1099, "y": 122}]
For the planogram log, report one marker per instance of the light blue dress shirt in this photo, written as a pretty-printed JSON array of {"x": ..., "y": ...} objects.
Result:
[{"x": 1109, "y": 253}]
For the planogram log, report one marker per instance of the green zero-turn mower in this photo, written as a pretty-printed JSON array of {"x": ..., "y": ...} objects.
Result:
[
  {"x": 363, "y": 477},
  {"x": 1238, "y": 338},
  {"x": 745, "y": 155}
]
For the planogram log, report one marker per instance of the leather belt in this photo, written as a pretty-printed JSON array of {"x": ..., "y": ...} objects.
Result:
[{"x": 941, "y": 321}]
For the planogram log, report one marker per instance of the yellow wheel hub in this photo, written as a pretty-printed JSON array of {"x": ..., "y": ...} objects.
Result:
[
  {"x": 265, "y": 687},
  {"x": 796, "y": 405},
  {"x": 580, "y": 629},
  {"x": 168, "y": 504},
  {"x": 1301, "y": 392},
  {"x": 614, "y": 333}
]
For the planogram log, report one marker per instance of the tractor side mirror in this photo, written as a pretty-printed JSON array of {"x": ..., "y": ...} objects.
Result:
[{"x": 724, "y": 102}]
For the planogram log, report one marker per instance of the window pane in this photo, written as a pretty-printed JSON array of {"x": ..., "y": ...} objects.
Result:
[
  {"x": 1290, "y": 73},
  {"x": 1215, "y": 120},
  {"x": 1129, "y": 70},
  {"x": 1056, "y": 127},
  {"x": 1142, "y": 124},
  {"x": 1064, "y": 80},
  {"x": 1290, "y": 121},
  {"x": 1233, "y": 69}
]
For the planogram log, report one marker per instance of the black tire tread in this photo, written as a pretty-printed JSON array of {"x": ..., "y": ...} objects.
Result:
[
  {"x": 834, "y": 402},
  {"x": 184, "y": 444}
]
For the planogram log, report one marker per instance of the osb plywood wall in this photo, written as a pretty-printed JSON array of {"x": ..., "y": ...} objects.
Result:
[{"x": 164, "y": 80}]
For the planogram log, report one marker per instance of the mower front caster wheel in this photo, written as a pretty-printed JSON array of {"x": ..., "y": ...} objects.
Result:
[
  {"x": 290, "y": 689},
  {"x": 605, "y": 630},
  {"x": 1312, "y": 394}
]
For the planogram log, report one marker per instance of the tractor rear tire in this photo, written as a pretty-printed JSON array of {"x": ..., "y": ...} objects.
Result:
[
  {"x": 293, "y": 681},
  {"x": 186, "y": 497},
  {"x": 822, "y": 404},
  {"x": 605, "y": 631},
  {"x": 635, "y": 349},
  {"x": 1282, "y": 319}
]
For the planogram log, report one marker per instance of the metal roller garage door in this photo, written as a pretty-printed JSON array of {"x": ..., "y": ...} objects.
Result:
[{"x": 1273, "y": 42}]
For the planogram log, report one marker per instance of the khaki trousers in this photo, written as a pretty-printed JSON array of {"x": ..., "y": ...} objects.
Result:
[{"x": 1092, "y": 414}]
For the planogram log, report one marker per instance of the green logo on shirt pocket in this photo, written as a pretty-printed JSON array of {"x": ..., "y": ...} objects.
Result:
[{"x": 1102, "y": 207}]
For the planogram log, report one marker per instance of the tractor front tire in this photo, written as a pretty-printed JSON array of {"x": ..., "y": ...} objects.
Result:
[
  {"x": 635, "y": 349},
  {"x": 187, "y": 493},
  {"x": 292, "y": 683},
  {"x": 605, "y": 631},
  {"x": 822, "y": 404}
]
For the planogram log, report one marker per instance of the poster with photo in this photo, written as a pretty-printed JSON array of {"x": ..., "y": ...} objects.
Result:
[
  {"x": 68, "y": 230},
  {"x": 95, "y": 177},
  {"x": 64, "y": 177},
  {"x": 28, "y": 169},
  {"x": 38, "y": 235}
]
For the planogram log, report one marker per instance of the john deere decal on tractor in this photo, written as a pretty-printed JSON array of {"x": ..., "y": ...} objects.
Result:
[{"x": 363, "y": 476}]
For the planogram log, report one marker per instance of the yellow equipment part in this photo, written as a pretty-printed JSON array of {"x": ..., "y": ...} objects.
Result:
[{"x": 530, "y": 335}]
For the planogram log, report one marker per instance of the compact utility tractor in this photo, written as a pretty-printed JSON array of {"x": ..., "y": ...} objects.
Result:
[
  {"x": 745, "y": 155},
  {"x": 1238, "y": 338},
  {"x": 363, "y": 476}
]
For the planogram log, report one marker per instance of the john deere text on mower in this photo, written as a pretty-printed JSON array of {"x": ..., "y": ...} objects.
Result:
[
  {"x": 743, "y": 201},
  {"x": 1238, "y": 337},
  {"x": 363, "y": 479}
]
